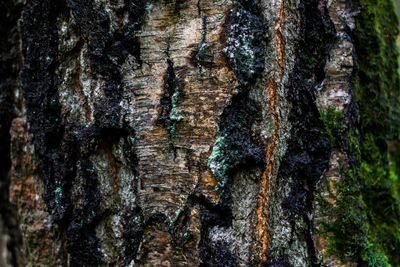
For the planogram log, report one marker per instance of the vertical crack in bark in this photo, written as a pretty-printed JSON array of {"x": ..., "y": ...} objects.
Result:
[
  {"x": 307, "y": 150},
  {"x": 172, "y": 94},
  {"x": 85, "y": 100},
  {"x": 279, "y": 40},
  {"x": 169, "y": 116},
  {"x": 266, "y": 177},
  {"x": 271, "y": 89},
  {"x": 78, "y": 81}
]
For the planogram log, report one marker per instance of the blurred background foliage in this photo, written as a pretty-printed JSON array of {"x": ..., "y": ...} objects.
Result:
[{"x": 377, "y": 89}]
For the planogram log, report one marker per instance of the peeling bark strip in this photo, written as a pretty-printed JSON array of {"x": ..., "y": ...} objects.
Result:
[{"x": 270, "y": 160}]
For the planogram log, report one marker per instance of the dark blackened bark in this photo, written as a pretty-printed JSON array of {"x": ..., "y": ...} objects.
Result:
[{"x": 10, "y": 64}]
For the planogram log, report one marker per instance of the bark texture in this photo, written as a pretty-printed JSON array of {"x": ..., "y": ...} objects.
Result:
[{"x": 199, "y": 133}]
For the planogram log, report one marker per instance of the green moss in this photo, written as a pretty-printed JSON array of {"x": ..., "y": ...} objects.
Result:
[
  {"x": 350, "y": 234},
  {"x": 310, "y": 63},
  {"x": 333, "y": 125},
  {"x": 378, "y": 97},
  {"x": 367, "y": 210},
  {"x": 346, "y": 229},
  {"x": 381, "y": 199},
  {"x": 394, "y": 175},
  {"x": 378, "y": 84},
  {"x": 364, "y": 218}
]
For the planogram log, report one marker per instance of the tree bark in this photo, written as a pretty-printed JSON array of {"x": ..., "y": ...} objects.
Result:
[{"x": 187, "y": 133}]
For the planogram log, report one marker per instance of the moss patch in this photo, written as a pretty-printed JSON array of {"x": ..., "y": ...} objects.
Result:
[
  {"x": 357, "y": 232},
  {"x": 367, "y": 210},
  {"x": 378, "y": 96},
  {"x": 333, "y": 124}
]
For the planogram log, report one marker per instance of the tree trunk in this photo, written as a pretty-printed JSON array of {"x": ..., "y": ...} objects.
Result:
[{"x": 206, "y": 132}]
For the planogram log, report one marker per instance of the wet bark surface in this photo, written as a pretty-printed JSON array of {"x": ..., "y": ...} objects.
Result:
[{"x": 172, "y": 133}]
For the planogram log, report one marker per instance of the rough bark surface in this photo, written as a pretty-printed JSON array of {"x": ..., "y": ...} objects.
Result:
[{"x": 175, "y": 133}]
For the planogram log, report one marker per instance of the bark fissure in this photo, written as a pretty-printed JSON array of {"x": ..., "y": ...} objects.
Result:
[
  {"x": 271, "y": 91},
  {"x": 308, "y": 151}
]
